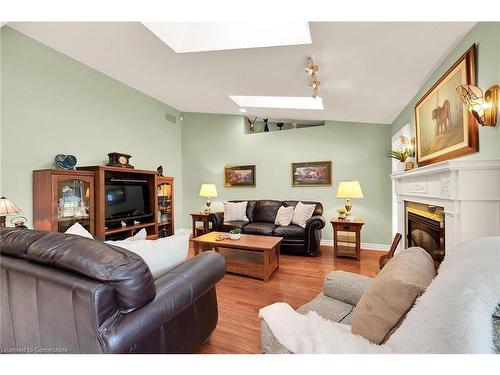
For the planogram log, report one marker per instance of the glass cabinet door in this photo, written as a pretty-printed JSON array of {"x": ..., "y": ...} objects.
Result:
[
  {"x": 74, "y": 201},
  {"x": 164, "y": 194}
]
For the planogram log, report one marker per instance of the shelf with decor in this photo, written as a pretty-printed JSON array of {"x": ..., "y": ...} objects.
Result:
[
  {"x": 165, "y": 205},
  {"x": 110, "y": 202}
]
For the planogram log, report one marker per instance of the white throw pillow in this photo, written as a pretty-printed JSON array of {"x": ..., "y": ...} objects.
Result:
[
  {"x": 284, "y": 216},
  {"x": 79, "y": 230},
  {"x": 160, "y": 255},
  {"x": 141, "y": 235},
  {"x": 235, "y": 211},
  {"x": 302, "y": 213}
]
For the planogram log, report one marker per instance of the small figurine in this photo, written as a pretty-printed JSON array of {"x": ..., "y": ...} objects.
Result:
[
  {"x": 251, "y": 124},
  {"x": 160, "y": 170},
  {"x": 123, "y": 224},
  {"x": 136, "y": 222}
]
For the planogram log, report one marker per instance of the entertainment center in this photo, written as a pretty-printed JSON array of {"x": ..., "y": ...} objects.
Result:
[{"x": 110, "y": 202}]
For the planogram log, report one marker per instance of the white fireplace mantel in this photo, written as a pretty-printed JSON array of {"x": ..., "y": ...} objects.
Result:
[{"x": 468, "y": 190}]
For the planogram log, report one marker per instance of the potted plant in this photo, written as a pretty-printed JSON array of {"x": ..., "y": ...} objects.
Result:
[
  {"x": 342, "y": 213},
  {"x": 235, "y": 234},
  {"x": 399, "y": 155}
]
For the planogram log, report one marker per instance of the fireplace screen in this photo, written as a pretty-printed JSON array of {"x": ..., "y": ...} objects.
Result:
[{"x": 425, "y": 228}]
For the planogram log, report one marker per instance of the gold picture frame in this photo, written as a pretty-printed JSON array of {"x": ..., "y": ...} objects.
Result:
[
  {"x": 239, "y": 176},
  {"x": 313, "y": 173},
  {"x": 444, "y": 128}
]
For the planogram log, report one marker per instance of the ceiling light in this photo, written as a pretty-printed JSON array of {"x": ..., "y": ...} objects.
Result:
[
  {"x": 311, "y": 69},
  {"x": 215, "y": 36},
  {"x": 243, "y": 110},
  {"x": 290, "y": 102}
]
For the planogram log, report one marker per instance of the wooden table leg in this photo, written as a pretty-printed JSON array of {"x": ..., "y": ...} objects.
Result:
[
  {"x": 194, "y": 227},
  {"x": 197, "y": 248},
  {"x": 266, "y": 264},
  {"x": 205, "y": 225}
]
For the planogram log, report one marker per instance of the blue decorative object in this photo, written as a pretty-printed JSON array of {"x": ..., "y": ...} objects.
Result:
[{"x": 66, "y": 162}]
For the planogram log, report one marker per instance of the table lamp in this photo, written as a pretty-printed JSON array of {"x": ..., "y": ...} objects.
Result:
[
  {"x": 208, "y": 191},
  {"x": 7, "y": 208},
  {"x": 348, "y": 190}
]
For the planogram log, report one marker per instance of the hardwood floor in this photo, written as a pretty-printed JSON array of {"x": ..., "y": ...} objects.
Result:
[{"x": 297, "y": 281}]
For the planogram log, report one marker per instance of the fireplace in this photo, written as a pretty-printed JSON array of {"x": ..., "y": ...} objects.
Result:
[{"x": 425, "y": 228}]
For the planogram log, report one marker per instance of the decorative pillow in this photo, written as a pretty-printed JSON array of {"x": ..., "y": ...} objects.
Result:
[
  {"x": 284, "y": 216},
  {"x": 79, "y": 230},
  {"x": 302, "y": 213},
  {"x": 391, "y": 294},
  {"x": 160, "y": 255},
  {"x": 141, "y": 235},
  {"x": 235, "y": 211}
]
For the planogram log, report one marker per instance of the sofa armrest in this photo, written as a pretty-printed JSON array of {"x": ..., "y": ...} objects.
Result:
[
  {"x": 216, "y": 218},
  {"x": 346, "y": 286},
  {"x": 175, "y": 291},
  {"x": 315, "y": 222}
]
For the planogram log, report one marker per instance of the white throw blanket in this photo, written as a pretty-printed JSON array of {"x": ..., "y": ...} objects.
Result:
[
  {"x": 310, "y": 333},
  {"x": 454, "y": 315}
]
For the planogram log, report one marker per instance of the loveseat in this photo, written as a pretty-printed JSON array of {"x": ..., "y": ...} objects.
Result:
[
  {"x": 261, "y": 216},
  {"x": 63, "y": 293},
  {"x": 459, "y": 312}
]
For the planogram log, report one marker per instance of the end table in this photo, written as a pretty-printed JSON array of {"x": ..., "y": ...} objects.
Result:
[
  {"x": 200, "y": 217},
  {"x": 346, "y": 238}
]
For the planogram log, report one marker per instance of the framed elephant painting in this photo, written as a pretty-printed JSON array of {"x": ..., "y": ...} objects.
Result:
[{"x": 445, "y": 129}]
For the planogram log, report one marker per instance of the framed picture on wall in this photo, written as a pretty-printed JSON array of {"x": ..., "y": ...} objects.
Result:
[
  {"x": 239, "y": 176},
  {"x": 314, "y": 173},
  {"x": 445, "y": 129}
]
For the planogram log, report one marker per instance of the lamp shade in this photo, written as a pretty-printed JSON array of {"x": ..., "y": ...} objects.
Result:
[
  {"x": 208, "y": 191},
  {"x": 472, "y": 98},
  {"x": 349, "y": 189},
  {"x": 7, "y": 207}
]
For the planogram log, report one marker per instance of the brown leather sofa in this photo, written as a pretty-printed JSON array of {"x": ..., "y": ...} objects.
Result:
[
  {"x": 69, "y": 294},
  {"x": 262, "y": 214}
]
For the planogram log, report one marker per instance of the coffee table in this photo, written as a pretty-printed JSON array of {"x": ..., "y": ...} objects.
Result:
[{"x": 251, "y": 255}]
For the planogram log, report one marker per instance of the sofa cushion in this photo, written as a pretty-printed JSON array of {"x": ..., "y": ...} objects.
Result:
[
  {"x": 301, "y": 213},
  {"x": 226, "y": 226},
  {"x": 318, "y": 210},
  {"x": 266, "y": 211},
  {"x": 235, "y": 211},
  {"x": 392, "y": 293},
  {"x": 264, "y": 229},
  {"x": 290, "y": 231},
  {"x": 250, "y": 209},
  {"x": 284, "y": 216},
  {"x": 346, "y": 286},
  {"x": 160, "y": 255}
]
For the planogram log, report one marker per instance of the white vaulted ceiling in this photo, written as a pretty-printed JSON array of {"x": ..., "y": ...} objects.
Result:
[{"x": 368, "y": 71}]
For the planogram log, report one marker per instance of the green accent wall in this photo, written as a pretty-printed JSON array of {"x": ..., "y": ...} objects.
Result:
[
  {"x": 487, "y": 37},
  {"x": 357, "y": 151},
  {"x": 53, "y": 104}
]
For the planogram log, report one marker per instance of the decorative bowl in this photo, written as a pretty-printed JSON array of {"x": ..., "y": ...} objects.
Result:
[
  {"x": 234, "y": 236},
  {"x": 66, "y": 162}
]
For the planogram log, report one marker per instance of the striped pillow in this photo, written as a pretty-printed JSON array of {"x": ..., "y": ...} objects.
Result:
[{"x": 235, "y": 211}]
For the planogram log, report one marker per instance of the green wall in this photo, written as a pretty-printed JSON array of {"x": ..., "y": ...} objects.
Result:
[
  {"x": 53, "y": 104},
  {"x": 487, "y": 37},
  {"x": 357, "y": 151}
]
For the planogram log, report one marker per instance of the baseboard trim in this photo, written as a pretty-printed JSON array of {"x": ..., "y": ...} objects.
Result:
[{"x": 364, "y": 245}]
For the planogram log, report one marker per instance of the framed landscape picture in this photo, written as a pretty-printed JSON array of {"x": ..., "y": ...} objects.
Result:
[
  {"x": 315, "y": 173},
  {"x": 239, "y": 176},
  {"x": 445, "y": 129}
]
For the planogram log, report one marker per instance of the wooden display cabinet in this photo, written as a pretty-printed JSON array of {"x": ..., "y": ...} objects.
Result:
[
  {"x": 164, "y": 205},
  {"x": 62, "y": 198}
]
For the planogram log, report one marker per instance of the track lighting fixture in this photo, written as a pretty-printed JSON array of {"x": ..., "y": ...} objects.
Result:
[{"x": 311, "y": 70}]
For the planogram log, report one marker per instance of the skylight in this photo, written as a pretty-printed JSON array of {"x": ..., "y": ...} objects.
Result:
[
  {"x": 289, "y": 102},
  {"x": 210, "y": 36}
]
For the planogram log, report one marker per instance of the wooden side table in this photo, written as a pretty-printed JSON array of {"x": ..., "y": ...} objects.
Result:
[
  {"x": 346, "y": 238},
  {"x": 200, "y": 217}
]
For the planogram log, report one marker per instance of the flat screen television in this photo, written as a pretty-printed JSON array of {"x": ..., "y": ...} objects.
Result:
[{"x": 126, "y": 200}]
